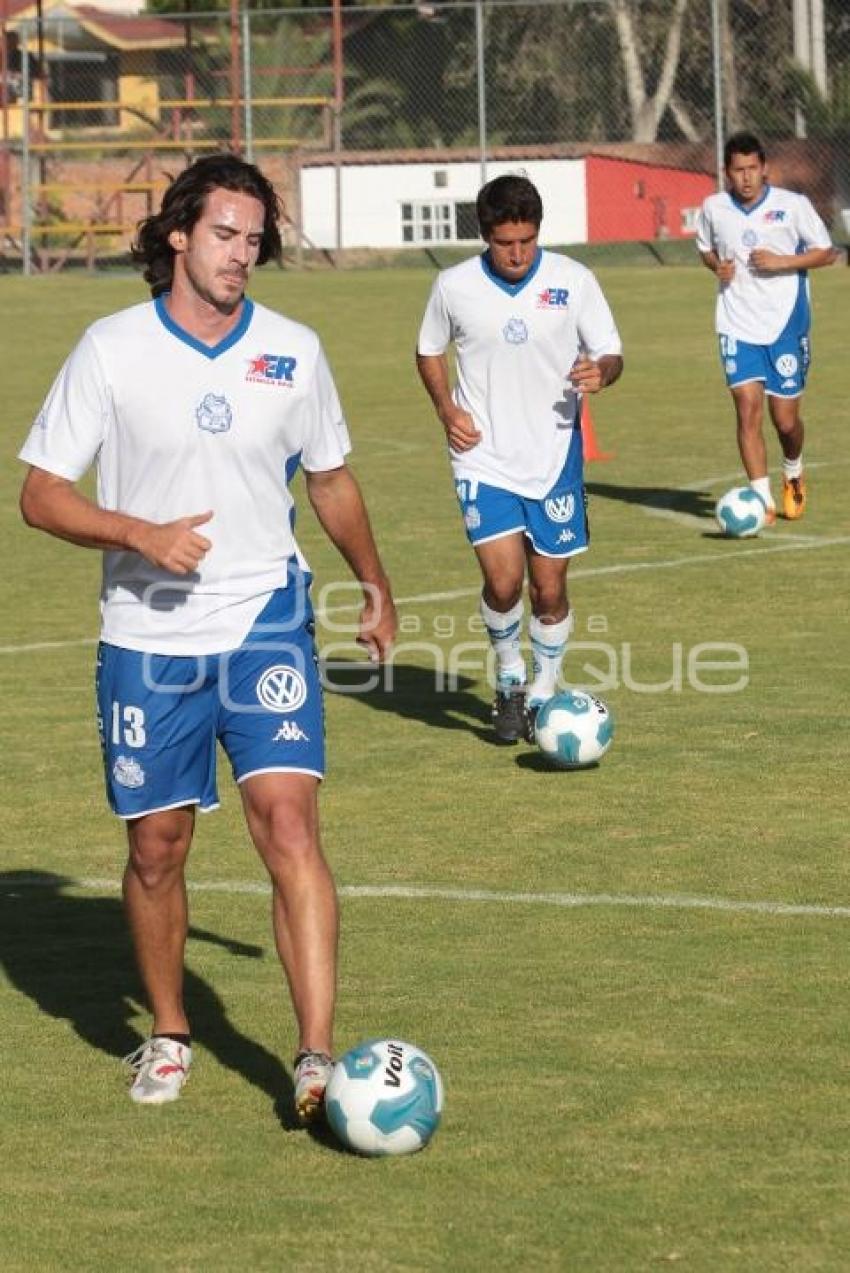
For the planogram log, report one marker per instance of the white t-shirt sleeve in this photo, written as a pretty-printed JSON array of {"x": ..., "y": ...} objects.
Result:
[
  {"x": 70, "y": 428},
  {"x": 597, "y": 330},
  {"x": 327, "y": 441},
  {"x": 435, "y": 334},
  {"x": 704, "y": 235},
  {"x": 813, "y": 233}
]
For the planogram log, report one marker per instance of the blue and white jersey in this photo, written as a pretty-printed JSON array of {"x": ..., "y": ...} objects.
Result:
[
  {"x": 516, "y": 344},
  {"x": 175, "y": 428},
  {"x": 756, "y": 307}
]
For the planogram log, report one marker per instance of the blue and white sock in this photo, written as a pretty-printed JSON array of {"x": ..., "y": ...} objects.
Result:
[
  {"x": 505, "y": 633},
  {"x": 548, "y": 647}
]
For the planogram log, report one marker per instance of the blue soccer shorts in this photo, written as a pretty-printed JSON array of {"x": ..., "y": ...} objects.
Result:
[
  {"x": 160, "y": 716},
  {"x": 556, "y": 525},
  {"x": 781, "y": 366}
]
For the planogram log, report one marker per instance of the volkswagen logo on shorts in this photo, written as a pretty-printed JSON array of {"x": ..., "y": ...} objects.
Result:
[
  {"x": 281, "y": 689},
  {"x": 786, "y": 364},
  {"x": 560, "y": 508}
]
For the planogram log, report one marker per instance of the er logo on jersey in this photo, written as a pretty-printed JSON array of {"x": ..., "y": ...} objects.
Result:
[
  {"x": 553, "y": 298},
  {"x": 272, "y": 369}
]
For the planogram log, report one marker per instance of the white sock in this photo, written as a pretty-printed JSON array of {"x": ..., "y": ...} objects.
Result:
[
  {"x": 548, "y": 646},
  {"x": 505, "y": 633},
  {"x": 792, "y": 468},
  {"x": 761, "y": 486}
]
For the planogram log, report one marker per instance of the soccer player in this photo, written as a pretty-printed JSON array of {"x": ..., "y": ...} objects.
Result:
[
  {"x": 760, "y": 241},
  {"x": 197, "y": 409},
  {"x": 532, "y": 333}
]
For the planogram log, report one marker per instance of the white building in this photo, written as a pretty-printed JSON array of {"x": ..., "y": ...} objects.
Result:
[{"x": 388, "y": 205}]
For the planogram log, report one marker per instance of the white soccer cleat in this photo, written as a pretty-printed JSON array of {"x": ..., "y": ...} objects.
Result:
[
  {"x": 161, "y": 1067},
  {"x": 312, "y": 1073}
]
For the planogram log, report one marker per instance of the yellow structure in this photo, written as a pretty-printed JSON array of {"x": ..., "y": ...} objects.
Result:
[{"x": 102, "y": 71}]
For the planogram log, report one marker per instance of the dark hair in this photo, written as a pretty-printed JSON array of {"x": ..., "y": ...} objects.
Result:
[
  {"x": 743, "y": 144},
  {"x": 507, "y": 198},
  {"x": 183, "y": 204}
]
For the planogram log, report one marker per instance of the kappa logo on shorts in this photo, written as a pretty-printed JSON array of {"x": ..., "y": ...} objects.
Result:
[
  {"x": 127, "y": 772},
  {"x": 290, "y": 732},
  {"x": 282, "y": 689},
  {"x": 786, "y": 365},
  {"x": 565, "y": 537},
  {"x": 214, "y": 414},
  {"x": 560, "y": 508}
]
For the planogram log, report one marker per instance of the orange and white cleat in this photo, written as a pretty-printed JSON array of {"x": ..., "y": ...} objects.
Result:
[{"x": 793, "y": 497}]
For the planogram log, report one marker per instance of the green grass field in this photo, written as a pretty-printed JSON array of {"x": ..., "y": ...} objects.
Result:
[{"x": 634, "y": 978}]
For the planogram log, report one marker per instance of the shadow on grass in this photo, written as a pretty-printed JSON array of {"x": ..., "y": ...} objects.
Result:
[
  {"x": 696, "y": 503},
  {"x": 414, "y": 693},
  {"x": 72, "y": 956}
]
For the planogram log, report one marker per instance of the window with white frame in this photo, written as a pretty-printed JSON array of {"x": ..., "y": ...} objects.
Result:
[{"x": 431, "y": 221}]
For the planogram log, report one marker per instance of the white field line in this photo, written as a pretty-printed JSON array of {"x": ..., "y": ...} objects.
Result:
[
  {"x": 423, "y": 892},
  {"x": 799, "y": 544}
]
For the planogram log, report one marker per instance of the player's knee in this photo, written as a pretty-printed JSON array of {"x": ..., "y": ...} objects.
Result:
[
  {"x": 504, "y": 594},
  {"x": 157, "y": 857},
  {"x": 291, "y": 837}
]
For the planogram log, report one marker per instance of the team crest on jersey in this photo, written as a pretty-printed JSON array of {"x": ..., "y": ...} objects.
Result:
[
  {"x": 515, "y": 331},
  {"x": 774, "y": 216},
  {"x": 553, "y": 298},
  {"x": 560, "y": 508},
  {"x": 128, "y": 772},
  {"x": 272, "y": 369},
  {"x": 214, "y": 414}
]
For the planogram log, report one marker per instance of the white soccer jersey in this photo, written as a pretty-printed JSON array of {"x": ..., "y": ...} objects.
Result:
[
  {"x": 756, "y": 307},
  {"x": 515, "y": 346},
  {"x": 176, "y": 428}
]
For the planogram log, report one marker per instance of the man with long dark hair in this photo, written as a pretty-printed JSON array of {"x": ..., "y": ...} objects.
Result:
[
  {"x": 532, "y": 332},
  {"x": 197, "y": 409}
]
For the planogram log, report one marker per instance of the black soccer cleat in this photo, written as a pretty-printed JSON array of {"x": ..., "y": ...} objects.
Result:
[
  {"x": 530, "y": 718},
  {"x": 509, "y": 714}
]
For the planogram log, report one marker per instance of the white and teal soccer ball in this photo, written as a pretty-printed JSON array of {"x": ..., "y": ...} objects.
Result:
[
  {"x": 573, "y": 729},
  {"x": 741, "y": 512},
  {"x": 384, "y": 1097}
]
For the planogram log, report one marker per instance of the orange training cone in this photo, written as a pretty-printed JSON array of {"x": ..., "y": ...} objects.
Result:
[{"x": 588, "y": 437}]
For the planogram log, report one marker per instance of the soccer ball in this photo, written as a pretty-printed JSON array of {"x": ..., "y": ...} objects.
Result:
[
  {"x": 741, "y": 512},
  {"x": 573, "y": 729},
  {"x": 384, "y": 1097}
]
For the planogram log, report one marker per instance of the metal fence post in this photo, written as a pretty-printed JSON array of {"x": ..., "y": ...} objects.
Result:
[
  {"x": 26, "y": 207},
  {"x": 482, "y": 88},
  {"x": 717, "y": 77},
  {"x": 247, "y": 85}
]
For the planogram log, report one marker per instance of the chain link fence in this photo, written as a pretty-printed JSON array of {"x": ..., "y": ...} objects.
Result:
[{"x": 348, "y": 109}]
